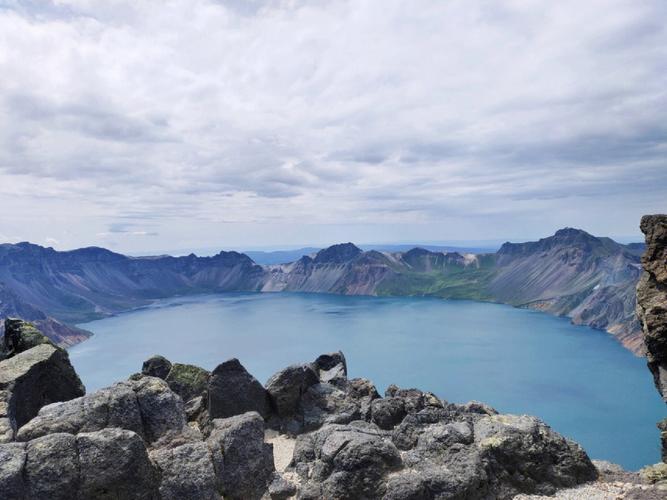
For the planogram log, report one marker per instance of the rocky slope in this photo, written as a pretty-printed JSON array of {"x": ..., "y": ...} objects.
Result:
[
  {"x": 176, "y": 431},
  {"x": 588, "y": 279},
  {"x": 652, "y": 307}
]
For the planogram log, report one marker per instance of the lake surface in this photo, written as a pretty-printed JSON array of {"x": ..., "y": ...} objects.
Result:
[{"x": 579, "y": 380}]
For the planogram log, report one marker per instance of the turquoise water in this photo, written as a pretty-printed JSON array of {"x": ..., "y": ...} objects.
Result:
[{"x": 579, "y": 380}]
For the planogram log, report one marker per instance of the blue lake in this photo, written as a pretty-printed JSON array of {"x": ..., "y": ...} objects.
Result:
[{"x": 579, "y": 380}]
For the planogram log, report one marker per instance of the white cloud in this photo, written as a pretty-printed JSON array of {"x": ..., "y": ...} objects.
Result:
[{"x": 202, "y": 121}]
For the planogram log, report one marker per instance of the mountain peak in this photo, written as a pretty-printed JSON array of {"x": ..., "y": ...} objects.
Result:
[
  {"x": 337, "y": 254},
  {"x": 572, "y": 233}
]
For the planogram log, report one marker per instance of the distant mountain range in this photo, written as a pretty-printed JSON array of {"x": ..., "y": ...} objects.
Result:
[{"x": 572, "y": 273}]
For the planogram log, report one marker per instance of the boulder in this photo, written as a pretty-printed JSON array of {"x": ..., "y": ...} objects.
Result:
[
  {"x": 156, "y": 366},
  {"x": 243, "y": 461},
  {"x": 12, "y": 462},
  {"x": 31, "y": 379},
  {"x": 346, "y": 461},
  {"x": 188, "y": 381},
  {"x": 525, "y": 455},
  {"x": 233, "y": 391},
  {"x": 286, "y": 388},
  {"x": 113, "y": 463},
  {"x": 146, "y": 406},
  {"x": 186, "y": 472},
  {"x": 52, "y": 467}
]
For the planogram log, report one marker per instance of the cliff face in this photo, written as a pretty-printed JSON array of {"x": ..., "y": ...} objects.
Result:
[
  {"x": 591, "y": 280},
  {"x": 652, "y": 298},
  {"x": 572, "y": 273}
]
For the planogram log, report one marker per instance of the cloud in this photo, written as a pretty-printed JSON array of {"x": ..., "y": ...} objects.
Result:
[{"x": 309, "y": 112}]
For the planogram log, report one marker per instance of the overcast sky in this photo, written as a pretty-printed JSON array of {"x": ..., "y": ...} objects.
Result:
[{"x": 158, "y": 125}]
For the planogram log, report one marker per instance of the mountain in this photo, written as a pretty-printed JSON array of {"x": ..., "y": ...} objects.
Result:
[{"x": 589, "y": 279}]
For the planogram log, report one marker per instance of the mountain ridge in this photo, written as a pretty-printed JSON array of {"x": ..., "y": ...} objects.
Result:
[{"x": 572, "y": 273}]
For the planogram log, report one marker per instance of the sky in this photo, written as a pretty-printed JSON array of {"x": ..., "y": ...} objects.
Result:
[{"x": 146, "y": 126}]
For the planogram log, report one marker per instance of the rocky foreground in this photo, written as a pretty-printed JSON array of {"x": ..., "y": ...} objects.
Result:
[{"x": 176, "y": 431}]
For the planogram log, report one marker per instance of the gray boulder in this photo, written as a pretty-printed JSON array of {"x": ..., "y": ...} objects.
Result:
[
  {"x": 525, "y": 455},
  {"x": 346, "y": 461},
  {"x": 186, "y": 472},
  {"x": 107, "y": 464},
  {"x": 156, "y": 366},
  {"x": 52, "y": 467},
  {"x": 12, "y": 462},
  {"x": 113, "y": 463},
  {"x": 233, "y": 391},
  {"x": 146, "y": 406},
  {"x": 31, "y": 379},
  {"x": 243, "y": 461},
  {"x": 286, "y": 388}
]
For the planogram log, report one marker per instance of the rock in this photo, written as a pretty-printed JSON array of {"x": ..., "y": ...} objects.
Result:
[
  {"x": 652, "y": 298},
  {"x": 146, "y": 406},
  {"x": 477, "y": 407},
  {"x": 286, "y": 388},
  {"x": 12, "y": 461},
  {"x": 21, "y": 336},
  {"x": 31, "y": 379},
  {"x": 388, "y": 412},
  {"x": 527, "y": 456},
  {"x": 113, "y": 463},
  {"x": 653, "y": 474},
  {"x": 233, "y": 391},
  {"x": 243, "y": 461},
  {"x": 156, "y": 366},
  {"x": 186, "y": 472},
  {"x": 331, "y": 366},
  {"x": 52, "y": 467},
  {"x": 188, "y": 381},
  {"x": 346, "y": 461},
  {"x": 280, "y": 488}
]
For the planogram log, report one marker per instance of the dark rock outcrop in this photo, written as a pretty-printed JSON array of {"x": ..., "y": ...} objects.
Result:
[
  {"x": 132, "y": 440},
  {"x": 33, "y": 378},
  {"x": 233, "y": 391},
  {"x": 652, "y": 298},
  {"x": 652, "y": 307}
]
